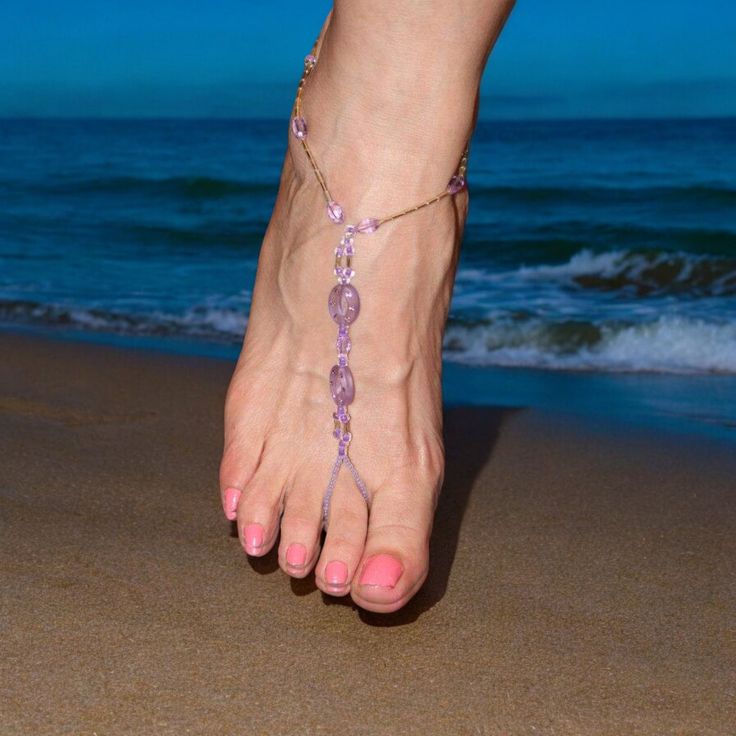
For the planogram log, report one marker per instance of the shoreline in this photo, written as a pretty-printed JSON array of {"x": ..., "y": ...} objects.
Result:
[
  {"x": 582, "y": 577},
  {"x": 692, "y": 405}
]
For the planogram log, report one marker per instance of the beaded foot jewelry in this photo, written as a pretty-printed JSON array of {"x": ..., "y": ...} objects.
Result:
[{"x": 343, "y": 302}]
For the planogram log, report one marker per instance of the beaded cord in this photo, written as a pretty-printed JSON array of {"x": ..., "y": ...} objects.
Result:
[{"x": 343, "y": 302}]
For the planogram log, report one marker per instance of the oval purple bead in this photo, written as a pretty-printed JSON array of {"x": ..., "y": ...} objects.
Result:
[
  {"x": 334, "y": 212},
  {"x": 299, "y": 128},
  {"x": 369, "y": 225},
  {"x": 344, "y": 304},
  {"x": 456, "y": 184},
  {"x": 342, "y": 386}
]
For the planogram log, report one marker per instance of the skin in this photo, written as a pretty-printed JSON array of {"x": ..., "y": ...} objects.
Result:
[{"x": 390, "y": 107}]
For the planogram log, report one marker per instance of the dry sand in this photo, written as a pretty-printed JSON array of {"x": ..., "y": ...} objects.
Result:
[{"x": 582, "y": 581}]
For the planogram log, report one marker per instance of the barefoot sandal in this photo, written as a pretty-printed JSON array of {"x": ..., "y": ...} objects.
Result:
[{"x": 343, "y": 302}]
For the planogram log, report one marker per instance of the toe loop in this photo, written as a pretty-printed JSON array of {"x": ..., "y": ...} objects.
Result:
[{"x": 340, "y": 460}]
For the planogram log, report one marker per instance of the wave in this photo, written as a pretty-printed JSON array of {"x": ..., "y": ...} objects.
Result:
[
  {"x": 665, "y": 345},
  {"x": 202, "y": 321},
  {"x": 644, "y": 272},
  {"x": 639, "y": 273}
]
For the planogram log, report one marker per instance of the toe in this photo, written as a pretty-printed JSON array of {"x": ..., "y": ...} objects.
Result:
[
  {"x": 237, "y": 466},
  {"x": 258, "y": 512},
  {"x": 396, "y": 556},
  {"x": 344, "y": 541},
  {"x": 301, "y": 526}
]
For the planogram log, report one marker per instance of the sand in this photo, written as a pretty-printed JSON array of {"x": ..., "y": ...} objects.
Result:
[{"x": 582, "y": 582}]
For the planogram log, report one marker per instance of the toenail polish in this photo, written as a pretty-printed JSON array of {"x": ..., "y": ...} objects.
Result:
[
  {"x": 253, "y": 535},
  {"x": 336, "y": 573},
  {"x": 296, "y": 555},
  {"x": 232, "y": 496},
  {"x": 381, "y": 570}
]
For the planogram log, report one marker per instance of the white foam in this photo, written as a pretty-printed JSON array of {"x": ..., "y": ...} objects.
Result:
[{"x": 666, "y": 345}]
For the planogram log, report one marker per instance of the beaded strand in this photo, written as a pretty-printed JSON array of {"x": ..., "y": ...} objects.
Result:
[{"x": 343, "y": 302}]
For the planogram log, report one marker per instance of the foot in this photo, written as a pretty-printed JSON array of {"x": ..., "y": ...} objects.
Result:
[{"x": 394, "y": 143}]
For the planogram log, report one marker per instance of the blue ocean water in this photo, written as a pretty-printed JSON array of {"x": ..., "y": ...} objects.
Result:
[{"x": 592, "y": 247}]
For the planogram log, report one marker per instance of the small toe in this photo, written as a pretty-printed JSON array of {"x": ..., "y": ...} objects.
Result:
[
  {"x": 258, "y": 513},
  {"x": 239, "y": 462}
]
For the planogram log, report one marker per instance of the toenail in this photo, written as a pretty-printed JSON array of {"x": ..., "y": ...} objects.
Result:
[
  {"x": 336, "y": 573},
  {"x": 381, "y": 570},
  {"x": 296, "y": 555},
  {"x": 232, "y": 496},
  {"x": 253, "y": 535}
]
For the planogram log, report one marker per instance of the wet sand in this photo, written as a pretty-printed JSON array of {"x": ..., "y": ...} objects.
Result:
[{"x": 583, "y": 577}]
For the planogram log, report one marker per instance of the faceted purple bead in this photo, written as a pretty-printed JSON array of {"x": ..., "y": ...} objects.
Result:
[
  {"x": 299, "y": 128},
  {"x": 343, "y": 344},
  {"x": 342, "y": 386},
  {"x": 457, "y": 184},
  {"x": 369, "y": 225},
  {"x": 334, "y": 212},
  {"x": 344, "y": 304},
  {"x": 310, "y": 59}
]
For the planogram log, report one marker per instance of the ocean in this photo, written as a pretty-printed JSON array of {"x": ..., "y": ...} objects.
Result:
[{"x": 599, "y": 257}]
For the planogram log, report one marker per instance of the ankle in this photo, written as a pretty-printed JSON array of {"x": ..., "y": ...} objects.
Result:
[{"x": 385, "y": 140}]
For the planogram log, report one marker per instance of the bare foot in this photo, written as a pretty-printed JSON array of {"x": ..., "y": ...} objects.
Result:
[{"x": 388, "y": 120}]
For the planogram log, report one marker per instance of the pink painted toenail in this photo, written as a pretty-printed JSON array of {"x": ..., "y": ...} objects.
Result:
[
  {"x": 296, "y": 555},
  {"x": 381, "y": 570},
  {"x": 336, "y": 573},
  {"x": 232, "y": 496},
  {"x": 253, "y": 535}
]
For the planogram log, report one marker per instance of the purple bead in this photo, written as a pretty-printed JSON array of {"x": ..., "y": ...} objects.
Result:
[
  {"x": 457, "y": 184},
  {"x": 343, "y": 344},
  {"x": 334, "y": 212},
  {"x": 350, "y": 230},
  {"x": 344, "y": 304},
  {"x": 310, "y": 59},
  {"x": 341, "y": 449},
  {"x": 299, "y": 128},
  {"x": 342, "y": 359},
  {"x": 342, "y": 386},
  {"x": 369, "y": 225}
]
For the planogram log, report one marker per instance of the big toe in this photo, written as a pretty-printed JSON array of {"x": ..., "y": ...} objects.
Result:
[{"x": 396, "y": 555}]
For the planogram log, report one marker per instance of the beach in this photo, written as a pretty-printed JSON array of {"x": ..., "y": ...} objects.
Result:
[{"x": 582, "y": 576}]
